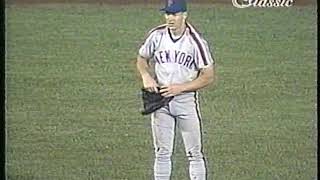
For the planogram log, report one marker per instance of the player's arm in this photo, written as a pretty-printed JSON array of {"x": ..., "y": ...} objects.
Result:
[
  {"x": 143, "y": 68},
  {"x": 205, "y": 77},
  {"x": 145, "y": 52}
]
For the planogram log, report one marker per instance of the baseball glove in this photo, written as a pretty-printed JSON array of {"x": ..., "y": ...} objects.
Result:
[{"x": 153, "y": 101}]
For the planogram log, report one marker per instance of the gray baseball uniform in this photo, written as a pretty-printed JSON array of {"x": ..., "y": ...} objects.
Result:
[{"x": 176, "y": 61}]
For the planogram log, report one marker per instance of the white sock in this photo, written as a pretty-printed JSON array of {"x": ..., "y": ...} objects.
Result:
[{"x": 197, "y": 170}]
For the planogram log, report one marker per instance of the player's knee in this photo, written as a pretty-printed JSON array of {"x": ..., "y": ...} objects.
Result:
[
  {"x": 163, "y": 154},
  {"x": 194, "y": 155}
]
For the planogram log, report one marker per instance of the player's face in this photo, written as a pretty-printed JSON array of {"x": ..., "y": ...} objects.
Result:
[{"x": 175, "y": 20}]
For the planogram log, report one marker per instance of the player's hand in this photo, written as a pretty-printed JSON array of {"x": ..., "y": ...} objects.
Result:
[
  {"x": 171, "y": 90},
  {"x": 150, "y": 84}
]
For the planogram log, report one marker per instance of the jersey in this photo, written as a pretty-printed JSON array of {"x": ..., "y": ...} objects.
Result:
[{"x": 176, "y": 60}]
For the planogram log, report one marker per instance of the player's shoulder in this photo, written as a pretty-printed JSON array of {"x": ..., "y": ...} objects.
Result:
[
  {"x": 157, "y": 30},
  {"x": 193, "y": 30},
  {"x": 195, "y": 34}
]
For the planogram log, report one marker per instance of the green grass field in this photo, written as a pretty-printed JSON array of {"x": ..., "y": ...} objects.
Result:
[{"x": 72, "y": 109}]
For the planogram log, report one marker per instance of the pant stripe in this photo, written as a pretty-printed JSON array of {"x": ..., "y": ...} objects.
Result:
[
  {"x": 173, "y": 145},
  {"x": 201, "y": 132}
]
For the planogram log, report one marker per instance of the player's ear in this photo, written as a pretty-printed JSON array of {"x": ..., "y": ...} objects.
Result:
[{"x": 185, "y": 15}]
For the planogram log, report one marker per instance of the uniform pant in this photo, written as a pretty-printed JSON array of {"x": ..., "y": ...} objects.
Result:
[{"x": 183, "y": 114}]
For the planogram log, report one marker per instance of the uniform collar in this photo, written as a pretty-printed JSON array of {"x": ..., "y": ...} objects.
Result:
[{"x": 171, "y": 35}]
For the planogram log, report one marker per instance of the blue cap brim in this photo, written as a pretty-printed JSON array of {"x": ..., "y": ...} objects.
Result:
[
  {"x": 173, "y": 9},
  {"x": 169, "y": 10}
]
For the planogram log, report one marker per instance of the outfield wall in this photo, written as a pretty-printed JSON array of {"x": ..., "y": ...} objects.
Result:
[{"x": 119, "y": 2}]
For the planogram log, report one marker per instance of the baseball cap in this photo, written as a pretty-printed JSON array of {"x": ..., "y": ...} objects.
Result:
[{"x": 174, "y": 6}]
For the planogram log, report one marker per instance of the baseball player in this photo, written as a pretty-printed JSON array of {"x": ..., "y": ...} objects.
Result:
[{"x": 182, "y": 65}]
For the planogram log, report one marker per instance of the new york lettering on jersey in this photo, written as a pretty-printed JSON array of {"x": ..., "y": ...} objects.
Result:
[
  {"x": 174, "y": 56},
  {"x": 193, "y": 52}
]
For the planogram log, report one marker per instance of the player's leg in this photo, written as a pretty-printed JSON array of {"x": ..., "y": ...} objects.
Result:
[
  {"x": 189, "y": 124},
  {"x": 163, "y": 127},
  {"x": 191, "y": 134}
]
